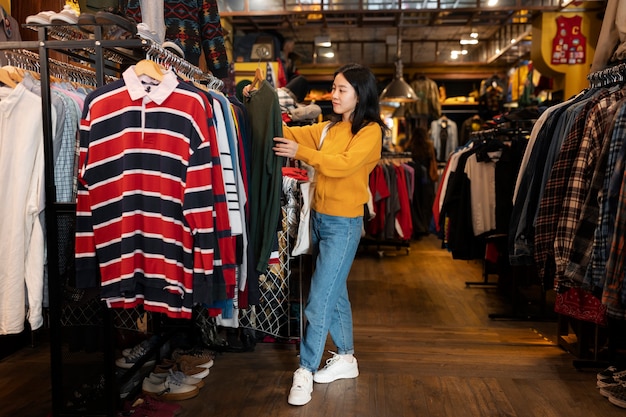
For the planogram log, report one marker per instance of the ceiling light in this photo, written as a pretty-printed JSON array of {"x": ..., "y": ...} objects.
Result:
[
  {"x": 322, "y": 40},
  {"x": 491, "y": 3},
  {"x": 398, "y": 90},
  {"x": 474, "y": 34},
  {"x": 469, "y": 41},
  {"x": 326, "y": 52}
]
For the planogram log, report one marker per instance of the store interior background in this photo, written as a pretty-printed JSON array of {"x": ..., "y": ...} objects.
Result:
[{"x": 510, "y": 33}]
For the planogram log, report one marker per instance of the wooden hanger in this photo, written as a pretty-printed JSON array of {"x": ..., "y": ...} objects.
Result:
[
  {"x": 5, "y": 78},
  {"x": 149, "y": 68},
  {"x": 16, "y": 74},
  {"x": 258, "y": 77}
]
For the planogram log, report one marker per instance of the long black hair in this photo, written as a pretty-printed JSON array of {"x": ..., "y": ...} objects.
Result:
[{"x": 367, "y": 107}]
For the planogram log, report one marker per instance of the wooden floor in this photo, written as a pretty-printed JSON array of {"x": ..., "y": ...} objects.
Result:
[{"x": 425, "y": 344}]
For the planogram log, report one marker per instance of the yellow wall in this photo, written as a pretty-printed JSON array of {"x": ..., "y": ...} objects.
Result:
[
  {"x": 7, "y": 5},
  {"x": 570, "y": 78}
]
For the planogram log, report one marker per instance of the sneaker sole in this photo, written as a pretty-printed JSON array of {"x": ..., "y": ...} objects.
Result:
[
  {"x": 606, "y": 392},
  {"x": 170, "y": 396},
  {"x": 617, "y": 401},
  {"x": 298, "y": 401},
  {"x": 321, "y": 380}
]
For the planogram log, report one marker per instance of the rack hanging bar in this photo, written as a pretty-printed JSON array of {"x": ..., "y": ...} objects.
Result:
[
  {"x": 29, "y": 60},
  {"x": 157, "y": 53},
  {"x": 608, "y": 76}
]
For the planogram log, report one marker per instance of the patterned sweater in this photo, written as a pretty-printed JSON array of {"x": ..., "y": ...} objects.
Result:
[{"x": 196, "y": 26}]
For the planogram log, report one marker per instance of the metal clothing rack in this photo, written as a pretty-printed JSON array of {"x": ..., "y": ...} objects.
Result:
[{"x": 103, "y": 56}]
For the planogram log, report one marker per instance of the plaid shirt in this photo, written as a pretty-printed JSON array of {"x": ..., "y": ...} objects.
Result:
[
  {"x": 551, "y": 201},
  {"x": 613, "y": 295},
  {"x": 577, "y": 270},
  {"x": 613, "y": 224},
  {"x": 606, "y": 219},
  {"x": 581, "y": 173}
]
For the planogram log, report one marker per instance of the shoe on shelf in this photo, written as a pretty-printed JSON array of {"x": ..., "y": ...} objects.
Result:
[
  {"x": 170, "y": 389},
  {"x": 199, "y": 357},
  {"x": 618, "y": 399},
  {"x": 613, "y": 390},
  {"x": 141, "y": 348},
  {"x": 188, "y": 369},
  {"x": 157, "y": 378},
  {"x": 337, "y": 367},
  {"x": 135, "y": 354},
  {"x": 611, "y": 371},
  {"x": 67, "y": 16},
  {"x": 41, "y": 18},
  {"x": 302, "y": 387},
  {"x": 145, "y": 32},
  {"x": 86, "y": 22},
  {"x": 118, "y": 25},
  {"x": 609, "y": 382}
]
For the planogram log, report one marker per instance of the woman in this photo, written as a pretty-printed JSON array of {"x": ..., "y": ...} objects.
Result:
[{"x": 343, "y": 160}]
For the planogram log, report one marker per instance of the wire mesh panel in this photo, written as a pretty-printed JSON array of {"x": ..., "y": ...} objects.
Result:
[{"x": 271, "y": 315}]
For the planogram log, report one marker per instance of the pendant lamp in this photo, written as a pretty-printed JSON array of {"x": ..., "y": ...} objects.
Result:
[{"x": 398, "y": 90}]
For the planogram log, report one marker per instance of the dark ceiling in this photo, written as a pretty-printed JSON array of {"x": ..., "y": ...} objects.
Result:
[{"x": 367, "y": 31}]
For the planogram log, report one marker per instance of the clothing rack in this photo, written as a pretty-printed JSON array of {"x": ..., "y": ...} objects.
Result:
[
  {"x": 68, "y": 40},
  {"x": 121, "y": 51},
  {"x": 389, "y": 157},
  {"x": 30, "y": 61},
  {"x": 606, "y": 77}
]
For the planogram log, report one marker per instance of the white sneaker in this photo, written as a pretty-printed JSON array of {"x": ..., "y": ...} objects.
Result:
[
  {"x": 169, "y": 389},
  {"x": 301, "y": 388},
  {"x": 337, "y": 367}
]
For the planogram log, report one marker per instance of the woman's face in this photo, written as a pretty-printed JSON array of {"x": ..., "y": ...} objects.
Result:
[{"x": 344, "y": 97}]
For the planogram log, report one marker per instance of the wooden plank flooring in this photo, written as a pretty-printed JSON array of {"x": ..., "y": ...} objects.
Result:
[{"x": 425, "y": 344}]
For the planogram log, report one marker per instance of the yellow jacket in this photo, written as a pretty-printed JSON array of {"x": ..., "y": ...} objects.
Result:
[{"x": 342, "y": 165}]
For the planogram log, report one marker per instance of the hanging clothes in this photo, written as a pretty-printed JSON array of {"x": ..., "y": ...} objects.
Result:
[
  {"x": 195, "y": 26},
  {"x": 22, "y": 225},
  {"x": 428, "y": 103},
  {"x": 144, "y": 220},
  {"x": 476, "y": 191},
  {"x": 568, "y": 198},
  {"x": 444, "y": 134},
  {"x": 265, "y": 174}
]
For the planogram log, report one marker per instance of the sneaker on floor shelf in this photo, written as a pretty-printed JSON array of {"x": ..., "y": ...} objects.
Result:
[
  {"x": 609, "y": 382},
  {"x": 612, "y": 390},
  {"x": 188, "y": 369},
  {"x": 618, "y": 398},
  {"x": 157, "y": 378},
  {"x": 337, "y": 367},
  {"x": 135, "y": 354},
  {"x": 198, "y": 357},
  {"x": 170, "y": 389},
  {"x": 611, "y": 371}
]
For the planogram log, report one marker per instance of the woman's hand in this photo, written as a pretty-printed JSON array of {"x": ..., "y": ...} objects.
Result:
[
  {"x": 247, "y": 90},
  {"x": 285, "y": 147}
]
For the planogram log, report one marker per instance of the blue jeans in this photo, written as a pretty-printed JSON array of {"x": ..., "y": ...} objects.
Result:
[{"x": 335, "y": 242}]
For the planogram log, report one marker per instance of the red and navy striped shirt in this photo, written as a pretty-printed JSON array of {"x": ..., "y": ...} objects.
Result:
[{"x": 145, "y": 223}]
